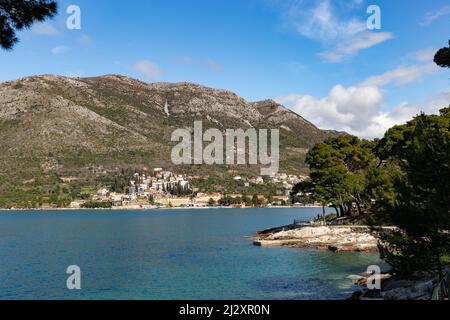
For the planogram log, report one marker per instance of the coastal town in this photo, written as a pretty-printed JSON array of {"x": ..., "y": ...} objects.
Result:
[{"x": 167, "y": 189}]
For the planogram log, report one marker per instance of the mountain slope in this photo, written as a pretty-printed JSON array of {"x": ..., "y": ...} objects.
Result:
[{"x": 92, "y": 128}]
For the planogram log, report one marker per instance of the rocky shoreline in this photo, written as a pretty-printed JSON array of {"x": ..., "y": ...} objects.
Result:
[
  {"x": 425, "y": 287},
  {"x": 354, "y": 238},
  {"x": 334, "y": 238}
]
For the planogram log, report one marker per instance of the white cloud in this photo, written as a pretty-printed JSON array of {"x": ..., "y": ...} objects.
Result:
[
  {"x": 358, "y": 109},
  {"x": 147, "y": 69},
  {"x": 44, "y": 28},
  {"x": 60, "y": 50},
  {"x": 296, "y": 66},
  {"x": 350, "y": 109},
  {"x": 425, "y": 55},
  {"x": 321, "y": 21},
  {"x": 214, "y": 66},
  {"x": 430, "y": 17},
  {"x": 402, "y": 75},
  {"x": 408, "y": 73},
  {"x": 84, "y": 40},
  {"x": 404, "y": 112},
  {"x": 353, "y": 46}
]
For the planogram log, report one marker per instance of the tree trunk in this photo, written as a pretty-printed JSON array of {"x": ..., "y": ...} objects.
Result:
[
  {"x": 323, "y": 214},
  {"x": 337, "y": 212},
  {"x": 359, "y": 208},
  {"x": 341, "y": 209},
  {"x": 349, "y": 208},
  {"x": 441, "y": 273}
]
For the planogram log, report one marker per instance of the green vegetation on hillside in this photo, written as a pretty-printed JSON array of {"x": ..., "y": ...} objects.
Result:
[{"x": 93, "y": 129}]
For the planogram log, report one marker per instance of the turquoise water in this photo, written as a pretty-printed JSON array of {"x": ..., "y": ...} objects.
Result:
[{"x": 170, "y": 254}]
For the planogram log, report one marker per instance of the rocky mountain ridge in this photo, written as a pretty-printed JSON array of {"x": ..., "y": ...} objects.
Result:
[{"x": 54, "y": 126}]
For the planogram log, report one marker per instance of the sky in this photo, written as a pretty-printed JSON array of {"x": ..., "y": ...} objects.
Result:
[{"x": 316, "y": 57}]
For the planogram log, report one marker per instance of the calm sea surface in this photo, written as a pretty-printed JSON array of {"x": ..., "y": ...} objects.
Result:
[{"x": 167, "y": 254}]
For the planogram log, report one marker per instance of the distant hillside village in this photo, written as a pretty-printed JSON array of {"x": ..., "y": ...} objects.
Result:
[{"x": 166, "y": 189}]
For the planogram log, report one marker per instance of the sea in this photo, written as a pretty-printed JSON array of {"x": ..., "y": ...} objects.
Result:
[{"x": 193, "y": 254}]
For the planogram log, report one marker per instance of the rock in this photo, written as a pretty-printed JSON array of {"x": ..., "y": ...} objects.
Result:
[
  {"x": 333, "y": 248},
  {"x": 333, "y": 238},
  {"x": 417, "y": 291},
  {"x": 356, "y": 295},
  {"x": 355, "y": 277}
]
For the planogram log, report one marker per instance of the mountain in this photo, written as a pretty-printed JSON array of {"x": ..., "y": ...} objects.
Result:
[{"x": 91, "y": 129}]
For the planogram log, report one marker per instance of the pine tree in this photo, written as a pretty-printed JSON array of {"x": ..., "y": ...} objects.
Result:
[
  {"x": 442, "y": 57},
  {"x": 19, "y": 14},
  {"x": 421, "y": 208}
]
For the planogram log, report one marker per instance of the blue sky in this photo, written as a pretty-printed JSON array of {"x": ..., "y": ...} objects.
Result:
[{"x": 317, "y": 57}]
